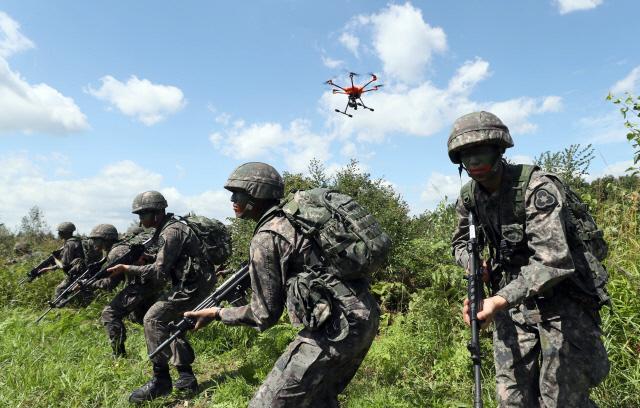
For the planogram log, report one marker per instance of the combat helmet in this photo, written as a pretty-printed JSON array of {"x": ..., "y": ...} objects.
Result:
[
  {"x": 21, "y": 248},
  {"x": 259, "y": 180},
  {"x": 104, "y": 231},
  {"x": 66, "y": 227},
  {"x": 477, "y": 128},
  {"x": 149, "y": 200}
]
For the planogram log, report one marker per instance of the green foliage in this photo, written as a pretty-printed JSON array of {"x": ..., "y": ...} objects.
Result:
[
  {"x": 33, "y": 226},
  {"x": 571, "y": 164},
  {"x": 418, "y": 359},
  {"x": 630, "y": 108}
]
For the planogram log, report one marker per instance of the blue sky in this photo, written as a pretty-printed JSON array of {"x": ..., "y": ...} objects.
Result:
[{"x": 102, "y": 100}]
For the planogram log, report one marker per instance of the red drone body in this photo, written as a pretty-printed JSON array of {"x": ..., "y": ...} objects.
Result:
[{"x": 354, "y": 93}]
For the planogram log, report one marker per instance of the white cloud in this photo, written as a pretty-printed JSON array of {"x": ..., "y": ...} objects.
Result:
[
  {"x": 628, "y": 83},
  {"x": 149, "y": 103},
  {"x": 520, "y": 159},
  {"x": 424, "y": 109},
  {"x": 568, "y": 6},
  {"x": 351, "y": 42},
  {"x": 603, "y": 129},
  {"x": 515, "y": 113},
  {"x": 31, "y": 108},
  {"x": 616, "y": 169},
  {"x": 440, "y": 187},
  {"x": 402, "y": 40},
  {"x": 104, "y": 197},
  {"x": 11, "y": 39},
  {"x": 331, "y": 63},
  {"x": 296, "y": 144}
]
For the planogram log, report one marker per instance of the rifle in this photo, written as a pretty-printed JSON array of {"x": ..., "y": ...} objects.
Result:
[
  {"x": 93, "y": 273},
  {"x": 230, "y": 290},
  {"x": 35, "y": 272},
  {"x": 475, "y": 294},
  {"x": 61, "y": 301}
]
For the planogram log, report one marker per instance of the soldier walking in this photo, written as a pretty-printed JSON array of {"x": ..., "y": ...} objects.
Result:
[
  {"x": 322, "y": 360},
  {"x": 180, "y": 260},
  {"x": 134, "y": 300},
  {"x": 72, "y": 257},
  {"x": 547, "y": 282}
]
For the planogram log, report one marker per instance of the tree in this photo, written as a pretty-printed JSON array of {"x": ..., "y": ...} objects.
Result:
[
  {"x": 630, "y": 107},
  {"x": 33, "y": 225},
  {"x": 571, "y": 164}
]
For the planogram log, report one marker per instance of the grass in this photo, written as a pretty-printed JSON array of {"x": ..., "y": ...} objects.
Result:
[{"x": 419, "y": 358}]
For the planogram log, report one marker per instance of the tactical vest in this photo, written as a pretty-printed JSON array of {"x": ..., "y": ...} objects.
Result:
[{"x": 510, "y": 248}]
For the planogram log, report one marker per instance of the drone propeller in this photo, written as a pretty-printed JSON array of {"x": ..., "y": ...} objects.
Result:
[{"x": 353, "y": 74}]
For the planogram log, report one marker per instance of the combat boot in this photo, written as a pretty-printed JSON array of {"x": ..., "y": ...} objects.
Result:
[
  {"x": 158, "y": 386},
  {"x": 187, "y": 381},
  {"x": 118, "y": 349}
]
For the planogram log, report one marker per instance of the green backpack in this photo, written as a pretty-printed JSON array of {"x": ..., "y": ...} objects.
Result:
[
  {"x": 215, "y": 237},
  {"x": 351, "y": 241},
  {"x": 585, "y": 238}
]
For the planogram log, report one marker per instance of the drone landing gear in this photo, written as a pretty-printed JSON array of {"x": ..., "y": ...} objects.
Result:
[
  {"x": 344, "y": 113},
  {"x": 364, "y": 106}
]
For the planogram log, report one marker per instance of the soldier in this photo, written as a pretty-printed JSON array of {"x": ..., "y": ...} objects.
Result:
[
  {"x": 547, "y": 346},
  {"x": 72, "y": 257},
  {"x": 319, "y": 364},
  {"x": 133, "y": 300},
  {"x": 180, "y": 259},
  {"x": 21, "y": 253}
]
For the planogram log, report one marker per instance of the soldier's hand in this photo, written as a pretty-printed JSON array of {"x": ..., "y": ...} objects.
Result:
[
  {"x": 490, "y": 306},
  {"x": 117, "y": 270},
  {"x": 204, "y": 316}
]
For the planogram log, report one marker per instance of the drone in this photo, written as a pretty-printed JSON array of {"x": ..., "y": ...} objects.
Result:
[{"x": 354, "y": 93}]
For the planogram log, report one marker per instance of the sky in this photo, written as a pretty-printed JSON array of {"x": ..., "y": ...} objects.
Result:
[{"x": 100, "y": 101}]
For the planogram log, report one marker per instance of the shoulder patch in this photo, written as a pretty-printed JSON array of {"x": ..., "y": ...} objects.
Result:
[{"x": 544, "y": 200}]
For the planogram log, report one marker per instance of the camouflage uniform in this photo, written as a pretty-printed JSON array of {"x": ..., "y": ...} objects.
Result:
[
  {"x": 319, "y": 364},
  {"x": 547, "y": 346},
  {"x": 72, "y": 262},
  {"x": 179, "y": 260},
  {"x": 134, "y": 300}
]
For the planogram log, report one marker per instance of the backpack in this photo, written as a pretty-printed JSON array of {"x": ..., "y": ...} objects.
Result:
[
  {"x": 585, "y": 239},
  {"x": 351, "y": 242},
  {"x": 215, "y": 237}
]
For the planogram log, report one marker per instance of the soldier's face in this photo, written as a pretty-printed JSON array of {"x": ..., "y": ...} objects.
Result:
[
  {"x": 479, "y": 161},
  {"x": 99, "y": 244},
  {"x": 240, "y": 199},
  {"x": 147, "y": 218}
]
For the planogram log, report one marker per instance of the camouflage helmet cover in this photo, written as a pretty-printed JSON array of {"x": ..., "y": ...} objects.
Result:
[
  {"x": 259, "y": 180},
  {"x": 149, "y": 200},
  {"x": 21, "y": 248},
  {"x": 67, "y": 227},
  {"x": 104, "y": 231},
  {"x": 474, "y": 129}
]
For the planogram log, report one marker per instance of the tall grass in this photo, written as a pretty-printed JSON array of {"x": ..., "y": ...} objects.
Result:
[{"x": 419, "y": 358}]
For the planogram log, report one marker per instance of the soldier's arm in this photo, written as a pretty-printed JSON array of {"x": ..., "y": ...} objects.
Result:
[
  {"x": 172, "y": 242},
  {"x": 551, "y": 261},
  {"x": 66, "y": 255},
  {"x": 461, "y": 236},
  {"x": 267, "y": 297}
]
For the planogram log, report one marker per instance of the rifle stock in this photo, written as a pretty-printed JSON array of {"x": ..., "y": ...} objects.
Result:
[
  {"x": 475, "y": 295},
  {"x": 229, "y": 290}
]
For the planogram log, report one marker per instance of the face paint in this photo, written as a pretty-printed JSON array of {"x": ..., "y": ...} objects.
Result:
[
  {"x": 241, "y": 203},
  {"x": 480, "y": 161},
  {"x": 147, "y": 218}
]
